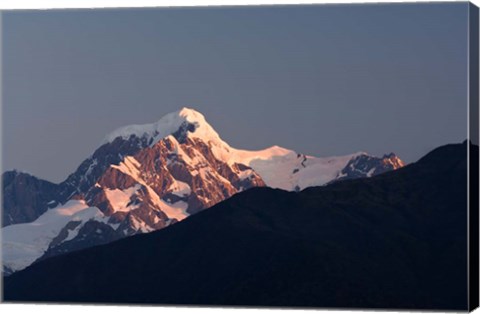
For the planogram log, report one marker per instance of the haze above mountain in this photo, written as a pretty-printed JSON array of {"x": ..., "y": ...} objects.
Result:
[{"x": 313, "y": 78}]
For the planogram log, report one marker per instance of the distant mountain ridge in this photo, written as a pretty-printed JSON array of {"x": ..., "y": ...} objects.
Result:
[
  {"x": 25, "y": 197},
  {"x": 397, "y": 240},
  {"x": 147, "y": 177}
]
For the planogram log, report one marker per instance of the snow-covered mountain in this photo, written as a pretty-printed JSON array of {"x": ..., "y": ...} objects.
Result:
[
  {"x": 26, "y": 242},
  {"x": 146, "y": 177}
]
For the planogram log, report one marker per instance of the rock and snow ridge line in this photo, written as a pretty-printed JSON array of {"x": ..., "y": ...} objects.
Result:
[
  {"x": 146, "y": 177},
  {"x": 277, "y": 166}
]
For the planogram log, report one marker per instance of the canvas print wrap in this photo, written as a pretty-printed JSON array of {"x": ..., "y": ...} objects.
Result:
[{"x": 310, "y": 156}]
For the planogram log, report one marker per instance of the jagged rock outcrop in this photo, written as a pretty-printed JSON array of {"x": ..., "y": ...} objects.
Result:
[{"x": 26, "y": 197}]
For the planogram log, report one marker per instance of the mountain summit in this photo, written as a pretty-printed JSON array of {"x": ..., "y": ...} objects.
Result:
[
  {"x": 147, "y": 177},
  {"x": 278, "y": 167},
  {"x": 181, "y": 121}
]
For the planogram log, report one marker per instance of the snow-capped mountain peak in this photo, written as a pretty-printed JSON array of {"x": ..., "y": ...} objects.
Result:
[
  {"x": 189, "y": 121},
  {"x": 149, "y": 176}
]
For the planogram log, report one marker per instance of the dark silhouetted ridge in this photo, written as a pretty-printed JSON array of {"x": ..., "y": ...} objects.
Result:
[{"x": 396, "y": 240}]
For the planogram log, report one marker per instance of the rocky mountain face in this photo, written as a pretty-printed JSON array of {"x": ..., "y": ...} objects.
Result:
[
  {"x": 26, "y": 197},
  {"x": 367, "y": 166},
  {"x": 147, "y": 177}
]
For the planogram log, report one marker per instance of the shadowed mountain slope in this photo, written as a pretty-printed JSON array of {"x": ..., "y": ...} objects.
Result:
[{"x": 396, "y": 240}]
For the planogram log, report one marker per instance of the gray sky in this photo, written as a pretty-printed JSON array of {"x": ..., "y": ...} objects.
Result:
[{"x": 322, "y": 80}]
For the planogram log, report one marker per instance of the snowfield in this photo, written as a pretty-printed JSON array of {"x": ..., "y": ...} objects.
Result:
[{"x": 22, "y": 244}]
